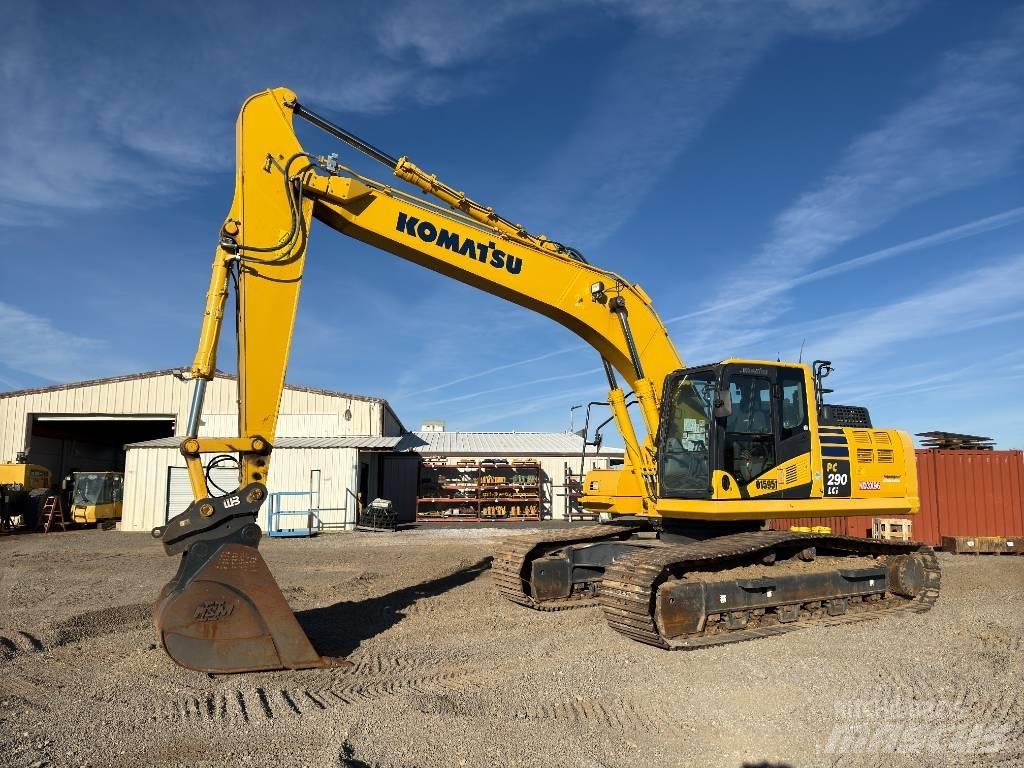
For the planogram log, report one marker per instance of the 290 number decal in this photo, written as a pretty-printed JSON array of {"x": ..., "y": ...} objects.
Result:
[{"x": 837, "y": 478}]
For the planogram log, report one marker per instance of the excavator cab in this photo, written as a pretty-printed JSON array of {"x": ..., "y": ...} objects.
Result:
[
  {"x": 728, "y": 428},
  {"x": 96, "y": 496}
]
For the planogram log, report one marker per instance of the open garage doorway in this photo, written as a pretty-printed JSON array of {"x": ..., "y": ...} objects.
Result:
[{"x": 94, "y": 443}]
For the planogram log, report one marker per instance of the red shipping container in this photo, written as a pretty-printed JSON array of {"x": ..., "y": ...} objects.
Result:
[
  {"x": 963, "y": 493},
  {"x": 971, "y": 493}
]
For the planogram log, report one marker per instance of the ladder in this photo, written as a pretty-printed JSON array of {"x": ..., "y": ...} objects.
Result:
[{"x": 53, "y": 512}]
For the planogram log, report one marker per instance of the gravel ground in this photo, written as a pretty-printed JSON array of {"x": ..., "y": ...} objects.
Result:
[{"x": 447, "y": 674}]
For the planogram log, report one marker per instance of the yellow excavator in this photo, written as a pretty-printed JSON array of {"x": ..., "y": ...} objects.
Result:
[{"x": 681, "y": 560}]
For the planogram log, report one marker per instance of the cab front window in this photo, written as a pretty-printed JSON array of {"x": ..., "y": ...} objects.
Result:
[
  {"x": 685, "y": 452},
  {"x": 97, "y": 488}
]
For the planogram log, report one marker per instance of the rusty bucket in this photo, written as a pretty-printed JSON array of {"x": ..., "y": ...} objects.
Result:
[{"x": 223, "y": 611}]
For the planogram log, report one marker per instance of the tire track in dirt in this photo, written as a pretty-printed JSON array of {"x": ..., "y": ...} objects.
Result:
[
  {"x": 1002, "y": 643},
  {"x": 86, "y": 626},
  {"x": 616, "y": 715},
  {"x": 372, "y": 678},
  {"x": 16, "y": 642},
  {"x": 967, "y": 722}
]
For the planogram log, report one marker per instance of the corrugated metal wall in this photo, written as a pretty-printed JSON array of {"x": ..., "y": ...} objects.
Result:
[
  {"x": 963, "y": 493},
  {"x": 145, "y": 483},
  {"x": 392, "y": 426},
  {"x": 158, "y": 395},
  {"x": 145, "y": 487},
  {"x": 168, "y": 395}
]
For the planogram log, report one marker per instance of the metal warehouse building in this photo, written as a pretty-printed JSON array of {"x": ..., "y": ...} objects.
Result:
[
  {"x": 333, "y": 448},
  {"x": 328, "y": 444}
]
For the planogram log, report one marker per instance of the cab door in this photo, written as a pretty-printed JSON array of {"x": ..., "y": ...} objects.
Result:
[
  {"x": 764, "y": 444},
  {"x": 747, "y": 445}
]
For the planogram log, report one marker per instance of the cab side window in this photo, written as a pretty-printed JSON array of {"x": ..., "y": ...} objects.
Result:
[{"x": 794, "y": 403}]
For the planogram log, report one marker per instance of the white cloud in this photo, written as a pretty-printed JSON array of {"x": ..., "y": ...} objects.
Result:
[
  {"x": 34, "y": 345},
  {"x": 102, "y": 122},
  {"x": 966, "y": 130},
  {"x": 986, "y": 296},
  {"x": 493, "y": 413},
  {"x": 655, "y": 97},
  {"x": 508, "y": 387},
  {"x": 490, "y": 371},
  {"x": 951, "y": 234},
  {"x": 94, "y": 121},
  {"x": 843, "y": 17}
]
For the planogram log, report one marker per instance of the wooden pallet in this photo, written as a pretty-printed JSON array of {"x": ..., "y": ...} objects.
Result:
[
  {"x": 981, "y": 545},
  {"x": 891, "y": 529}
]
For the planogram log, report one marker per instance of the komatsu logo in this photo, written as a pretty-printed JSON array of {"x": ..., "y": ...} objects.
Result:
[
  {"x": 485, "y": 253},
  {"x": 767, "y": 485}
]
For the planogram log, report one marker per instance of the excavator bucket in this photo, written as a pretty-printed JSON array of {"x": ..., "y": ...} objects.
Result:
[{"x": 223, "y": 611}]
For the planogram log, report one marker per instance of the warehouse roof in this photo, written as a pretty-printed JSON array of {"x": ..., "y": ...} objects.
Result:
[
  {"x": 180, "y": 373},
  {"x": 365, "y": 442},
  {"x": 503, "y": 444}
]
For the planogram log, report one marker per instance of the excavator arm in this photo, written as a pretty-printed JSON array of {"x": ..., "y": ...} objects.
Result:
[
  {"x": 223, "y": 611},
  {"x": 280, "y": 189}
]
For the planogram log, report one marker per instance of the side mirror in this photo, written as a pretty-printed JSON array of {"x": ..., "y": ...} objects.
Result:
[{"x": 723, "y": 404}]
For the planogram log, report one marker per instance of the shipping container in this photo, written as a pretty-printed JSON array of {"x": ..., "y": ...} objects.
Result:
[{"x": 963, "y": 493}]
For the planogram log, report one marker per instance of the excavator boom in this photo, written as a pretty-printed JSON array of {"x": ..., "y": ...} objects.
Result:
[{"x": 223, "y": 611}]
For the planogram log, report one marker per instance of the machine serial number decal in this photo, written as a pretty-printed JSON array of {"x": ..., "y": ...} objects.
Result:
[
  {"x": 486, "y": 253},
  {"x": 870, "y": 485},
  {"x": 236, "y": 561},
  {"x": 766, "y": 485}
]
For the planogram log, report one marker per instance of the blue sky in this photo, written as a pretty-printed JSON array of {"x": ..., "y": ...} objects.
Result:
[{"x": 842, "y": 175}]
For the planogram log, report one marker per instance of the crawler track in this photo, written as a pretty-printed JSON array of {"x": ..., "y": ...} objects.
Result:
[
  {"x": 629, "y": 589},
  {"x": 510, "y": 562}
]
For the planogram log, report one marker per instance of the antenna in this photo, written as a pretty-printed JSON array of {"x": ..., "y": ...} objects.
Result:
[{"x": 802, "y": 350}]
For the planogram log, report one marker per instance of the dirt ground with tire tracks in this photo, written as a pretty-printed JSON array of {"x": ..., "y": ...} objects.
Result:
[{"x": 447, "y": 674}]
